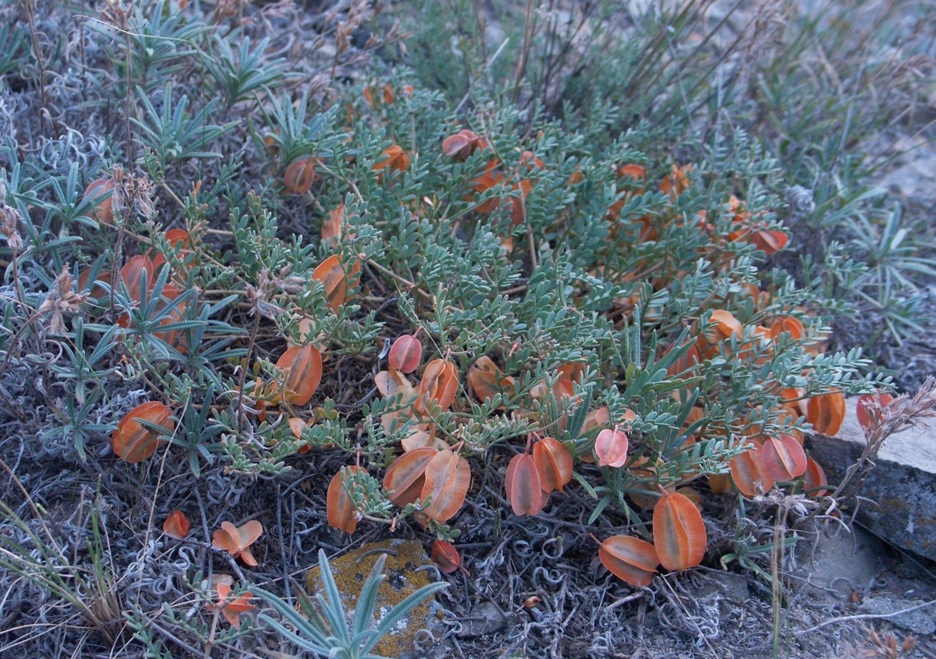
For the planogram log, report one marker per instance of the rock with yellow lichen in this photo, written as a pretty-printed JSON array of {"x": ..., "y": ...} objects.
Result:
[{"x": 404, "y": 573}]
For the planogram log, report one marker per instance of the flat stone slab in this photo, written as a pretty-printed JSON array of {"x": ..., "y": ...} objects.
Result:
[
  {"x": 407, "y": 569},
  {"x": 902, "y": 483}
]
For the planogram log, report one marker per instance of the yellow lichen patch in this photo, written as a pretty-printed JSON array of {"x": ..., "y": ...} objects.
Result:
[{"x": 402, "y": 578}]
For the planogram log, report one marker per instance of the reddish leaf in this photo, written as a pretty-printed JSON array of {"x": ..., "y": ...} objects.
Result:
[
  {"x": 530, "y": 161},
  {"x": 789, "y": 325},
  {"x": 445, "y": 556},
  {"x": 554, "y": 464},
  {"x": 302, "y": 366},
  {"x": 725, "y": 326},
  {"x": 99, "y": 192},
  {"x": 783, "y": 458},
  {"x": 518, "y": 202},
  {"x": 439, "y": 384},
  {"x": 678, "y": 532},
  {"x": 826, "y": 412},
  {"x": 342, "y": 514},
  {"x": 632, "y": 171},
  {"x": 491, "y": 177},
  {"x": 405, "y": 478},
  {"x": 132, "y": 441},
  {"x": 814, "y": 480},
  {"x": 175, "y": 337},
  {"x": 232, "y": 609},
  {"x": 523, "y": 486},
  {"x": 299, "y": 175},
  {"x": 447, "y": 479},
  {"x": 689, "y": 359},
  {"x": 393, "y": 159},
  {"x": 611, "y": 448},
  {"x": 719, "y": 483},
  {"x": 131, "y": 273},
  {"x": 461, "y": 145},
  {"x": 177, "y": 525},
  {"x": 631, "y": 559},
  {"x": 236, "y": 540},
  {"x": 178, "y": 239},
  {"x": 596, "y": 419},
  {"x": 748, "y": 473},
  {"x": 867, "y": 409},
  {"x": 332, "y": 275},
  {"x": 677, "y": 182},
  {"x": 485, "y": 380},
  {"x": 333, "y": 225},
  {"x": 406, "y": 353},
  {"x": 692, "y": 494},
  {"x": 770, "y": 242}
]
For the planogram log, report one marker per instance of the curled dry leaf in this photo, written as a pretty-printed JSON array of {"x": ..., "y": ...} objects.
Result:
[
  {"x": 302, "y": 368},
  {"x": 447, "y": 479},
  {"x": 553, "y": 463},
  {"x": 445, "y": 556},
  {"x": 393, "y": 383},
  {"x": 678, "y": 532},
  {"x": 299, "y": 175},
  {"x": 134, "y": 442},
  {"x": 783, "y": 458},
  {"x": 176, "y": 525},
  {"x": 342, "y": 514},
  {"x": 406, "y": 353},
  {"x": 867, "y": 409},
  {"x": 236, "y": 540},
  {"x": 423, "y": 435},
  {"x": 611, "y": 448},
  {"x": 826, "y": 412},
  {"x": 405, "y": 478},
  {"x": 631, "y": 559},
  {"x": 439, "y": 384},
  {"x": 230, "y": 608},
  {"x": 297, "y": 426},
  {"x": 523, "y": 486}
]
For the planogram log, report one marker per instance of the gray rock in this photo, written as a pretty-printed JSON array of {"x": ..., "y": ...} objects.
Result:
[
  {"x": 483, "y": 619},
  {"x": 902, "y": 484},
  {"x": 835, "y": 560},
  {"x": 917, "y": 617}
]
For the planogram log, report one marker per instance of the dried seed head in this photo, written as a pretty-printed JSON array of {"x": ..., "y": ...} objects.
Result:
[{"x": 9, "y": 227}]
